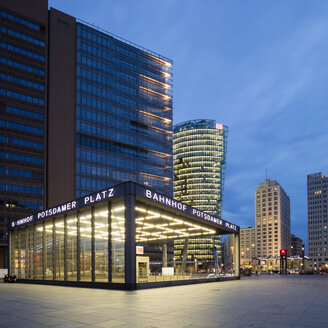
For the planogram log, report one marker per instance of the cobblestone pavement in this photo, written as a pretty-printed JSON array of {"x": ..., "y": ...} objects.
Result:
[{"x": 263, "y": 301}]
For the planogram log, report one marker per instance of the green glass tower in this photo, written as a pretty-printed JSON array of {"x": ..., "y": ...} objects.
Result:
[{"x": 199, "y": 153}]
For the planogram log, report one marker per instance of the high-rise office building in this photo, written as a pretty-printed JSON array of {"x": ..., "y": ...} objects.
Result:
[
  {"x": 23, "y": 84},
  {"x": 272, "y": 219},
  {"x": 113, "y": 120},
  {"x": 199, "y": 153},
  {"x": 247, "y": 246},
  {"x": 317, "y": 195},
  {"x": 80, "y": 110},
  {"x": 297, "y": 246}
]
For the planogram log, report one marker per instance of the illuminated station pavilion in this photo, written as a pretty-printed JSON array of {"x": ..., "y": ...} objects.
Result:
[{"x": 69, "y": 244}]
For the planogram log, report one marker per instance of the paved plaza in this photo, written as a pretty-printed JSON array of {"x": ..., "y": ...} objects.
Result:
[{"x": 263, "y": 301}]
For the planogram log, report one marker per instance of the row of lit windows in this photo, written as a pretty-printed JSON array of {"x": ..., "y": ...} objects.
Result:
[
  {"x": 20, "y": 173},
  {"x": 152, "y": 181},
  {"x": 104, "y": 90},
  {"x": 23, "y": 97},
  {"x": 93, "y": 170},
  {"x": 108, "y": 55},
  {"x": 21, "y": 127},
  {"x": 20, "y": 21},
  {"x": 107, "y": 119},
  {"x": 23, "y": 37},
  {"x": 21, "y": 189},
  {"x": 98, "y": 156},
  {"x": 21, "y": 66},
  {"x": 21, "y": 158},
  {"x": 21, "y": 143},
  {"x": 106, "y": 104},
  {"x": 25, "y": 83},
  {"x": 109, "y": 133},
  {"x": 107, "y": 81},
  {"x": 119, "y": 149},
  {"x": 111, "y": 43},
  {"x": 25, "y": 113},
  {"x": 88, "y": 99},
  {"x": 156, "y": 99},
  {"x": 21, "y": 51},
  {"x": 102, "y": 66},
  {"x": 22, "y": 203},
  {"x": 99, "y": 183},
  {"x": 119, "y": 137}
]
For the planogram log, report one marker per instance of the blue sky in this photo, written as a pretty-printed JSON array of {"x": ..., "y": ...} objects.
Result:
[{"x": 259, "y": 67}]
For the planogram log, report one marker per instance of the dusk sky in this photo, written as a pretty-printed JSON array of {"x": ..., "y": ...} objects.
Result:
[{"x": 259, "y": 67}]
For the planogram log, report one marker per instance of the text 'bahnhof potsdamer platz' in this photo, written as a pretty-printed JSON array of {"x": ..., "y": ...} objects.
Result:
[{"x": 98, "y": 240}]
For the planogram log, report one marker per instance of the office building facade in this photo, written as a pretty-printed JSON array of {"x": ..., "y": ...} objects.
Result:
[
  {"x": 317, "y": 196},
  {"x": 79, "y": 106},
  {"x": 23, "y": 89},
  {"x": 199, "y": 152},
  {"x": 297, "y": 246},
  {"x": 247, "y": 246},
  {"x": 272, "y": 219},
  {"x": 118, "y": 98}
]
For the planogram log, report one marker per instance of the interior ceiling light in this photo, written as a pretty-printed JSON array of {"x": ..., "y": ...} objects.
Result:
[{"x": 162, "y": 227}]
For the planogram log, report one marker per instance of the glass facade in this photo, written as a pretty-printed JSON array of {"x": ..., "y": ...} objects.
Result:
[
  {"x": 73, "y": 247},
  {"x": 199, "y": 151},
  {"x": 123, "y": 114},
  {"x": 22, "y": 124},
  {"x": 105, "y": 241}
]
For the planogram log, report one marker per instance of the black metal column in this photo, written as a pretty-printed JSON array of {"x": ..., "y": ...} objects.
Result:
[
  {"x": 65, "y": 247},
  {"x": 53, "y": 250},
  {"x": 78, "y": 247},
  {"x": 10, "y": 252},
  {"x": 93, "y": 246},
  {"x": 44, "y": 250},
  {"x": 109, "y": 208},
  {"x": 130, "y": 239}
]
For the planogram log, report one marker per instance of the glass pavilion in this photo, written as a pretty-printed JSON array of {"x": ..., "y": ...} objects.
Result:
[{"x": 98, "y": 240}]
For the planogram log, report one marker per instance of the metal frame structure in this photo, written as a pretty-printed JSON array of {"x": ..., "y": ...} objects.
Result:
[{"x": 130, "y": 194}]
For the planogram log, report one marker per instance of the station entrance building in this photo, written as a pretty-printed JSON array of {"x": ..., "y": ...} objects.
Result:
[{"x": 99, "y": 240}]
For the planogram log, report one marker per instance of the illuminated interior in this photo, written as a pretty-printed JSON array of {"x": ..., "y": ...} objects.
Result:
[
  {"x": 152, "y": 225},
  {"x": 89, "y": 245}
]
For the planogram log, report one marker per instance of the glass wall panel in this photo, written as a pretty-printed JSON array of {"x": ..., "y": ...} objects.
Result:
[
  {"x": 101, "y": 243},
  {"x": 85, "y": 245},
  {"x": 22, "y": 245},
  {"x": 118, "y": 242},
  {"x": 39, "y": 250},
  {"x": 59, "y": 248},
  {"x": 49, "y": 253},
  {"x": 71, "y": 244},
  {"x": 30, "y": 252},
  {"x": 15, "y": 252}
]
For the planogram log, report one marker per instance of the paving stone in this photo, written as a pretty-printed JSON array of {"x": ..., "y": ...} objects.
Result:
[{"x": 254, "y": 302}]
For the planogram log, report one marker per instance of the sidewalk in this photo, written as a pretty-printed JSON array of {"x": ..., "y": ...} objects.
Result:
[{"x": 263, "y": 301}]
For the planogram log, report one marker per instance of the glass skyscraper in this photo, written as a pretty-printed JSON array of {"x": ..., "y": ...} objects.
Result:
[
  {"x": 23, "y": 62},
  {"x": 123, "y": 114},
  {"x": 80, "y": 110},
  {"x": 199, "y": 152}
]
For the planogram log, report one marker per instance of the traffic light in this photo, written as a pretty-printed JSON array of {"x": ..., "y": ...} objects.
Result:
[
  {"x": 283, "y": 253},
  {"x": 283, "y": 261}
]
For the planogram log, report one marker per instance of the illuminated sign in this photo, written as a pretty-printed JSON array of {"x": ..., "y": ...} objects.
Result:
[
  {"x": 167, "y": 201},
  {"x": 121, "y": 190},
  {"x": 100, "y": 196},
  {"x": 139, "y": 250},
  {"x": 73, "y": 205}
]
